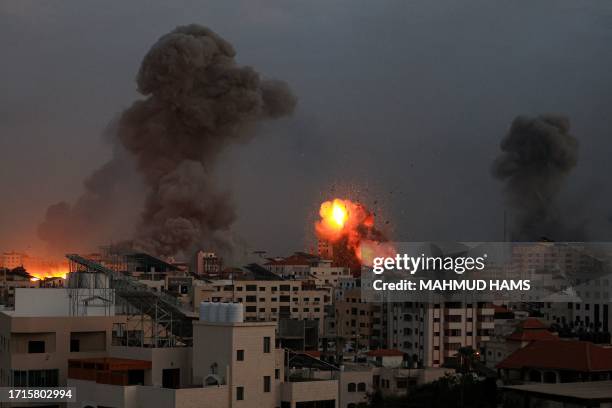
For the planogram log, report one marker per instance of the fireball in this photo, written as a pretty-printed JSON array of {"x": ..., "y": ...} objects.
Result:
[
  {"x": 351, "y": 225},
  {"x": 339, "y": 213}
]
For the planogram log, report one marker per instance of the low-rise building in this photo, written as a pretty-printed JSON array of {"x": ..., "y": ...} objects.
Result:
[
  {"x": 525, "y": 331},
  {"x": 40, "y": 335},
  {"x": 596, "y": 394},
  {"x": 557, "y": 362},
  {"x": 234, "y": 364}
]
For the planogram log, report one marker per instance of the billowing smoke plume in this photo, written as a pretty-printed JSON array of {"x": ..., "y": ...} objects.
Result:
[
  {"x": 198, "y": 100},
  {"x": 537, "y": 156}
]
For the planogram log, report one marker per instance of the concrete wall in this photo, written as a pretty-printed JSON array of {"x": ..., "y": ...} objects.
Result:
[
  {"x": 103, "y": 394},
  {"x": 160, "y": 358},
  {"x": 56, "y": 302},
  {"x": 353, "y": 377},
  {"x": 309, "y": 391},
  {"x": 56, "y": 332},
  {"x": 136, "y": 396},
  {"x": 218, "y": 343}
]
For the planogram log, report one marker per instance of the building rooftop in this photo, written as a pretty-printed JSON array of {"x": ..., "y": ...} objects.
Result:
[
  {"x": 567, "y": 355},
  {"x": 532, "y": 323},
  {"x": 531, "y": 329},
  {"x": 385, "y": 353},
  {"x": 257, "y": 272},
  {"x": 592, "y": 390}
]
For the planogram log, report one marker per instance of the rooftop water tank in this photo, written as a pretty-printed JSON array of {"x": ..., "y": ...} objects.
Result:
[
  {"x": 205, "y": 311},
  {"x": 235, "y": 313},
  {"x": 222, "y": 314},
  {"x": 214, "y": 312}
]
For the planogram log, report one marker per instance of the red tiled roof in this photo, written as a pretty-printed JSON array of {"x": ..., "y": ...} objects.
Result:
[
  {"x": 385, "y": 353},
  {"x": 313, "y": 353},
  {"x": 531, "y": 335},
  {"x": 562, "y": 355},
  {"x": 500, "y": 309},
  {"x": 531, "y": 329},
  {"x": 532, "y": 323}
]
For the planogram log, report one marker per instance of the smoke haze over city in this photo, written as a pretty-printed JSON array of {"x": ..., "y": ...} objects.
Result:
[{"x": 402, "y": 105}]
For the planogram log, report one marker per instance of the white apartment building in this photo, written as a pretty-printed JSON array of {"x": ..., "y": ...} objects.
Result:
[{"x": 430, "y": 333}]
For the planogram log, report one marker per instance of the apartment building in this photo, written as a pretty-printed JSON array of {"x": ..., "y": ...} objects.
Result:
[
  {"x": 589, "y": 307},
  {"x": 12, "y": 260},
  {"x": 269, "y": 300},
  {"x": 355, "y": 320},
  {"x": 234, "y": 364},
  {"x": 432, "y": 332},
  {"x": 12, "y": 279},
  {"x": 296, "y": 266},
  {"x": 40, "y": 335},
  {"x": 502, "y": 345},
  {"x": 208, "y": 264}
]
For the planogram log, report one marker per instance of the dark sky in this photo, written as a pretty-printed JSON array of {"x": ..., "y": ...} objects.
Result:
[{"x": 402, "y": 104}]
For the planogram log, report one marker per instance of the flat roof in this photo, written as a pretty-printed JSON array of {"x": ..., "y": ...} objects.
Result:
[
  {"x": 235, "y": 324},
  {"x": 593, "y": 390}
]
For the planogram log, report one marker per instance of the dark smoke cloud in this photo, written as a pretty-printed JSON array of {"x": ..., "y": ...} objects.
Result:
[
  {"x": 68, "y": 226},
  {"x": 537, "y": 156},
  {"x": 198, "y": 100}
]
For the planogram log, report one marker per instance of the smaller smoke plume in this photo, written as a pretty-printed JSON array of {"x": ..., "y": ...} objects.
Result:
[{"x": 537, "y": 156}]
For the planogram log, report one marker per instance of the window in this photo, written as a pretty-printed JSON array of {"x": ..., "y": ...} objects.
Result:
[
  {"x": 352, "y": 387},
  {"x": 20, "y": 378},
  {"x": 251, "y": 288},
  {"x": 276, "y": 374},
  {"x": 251, "y": 309},
  {"x": 36, "y": 346},
  {"x": 361, "y": 387},
  {"x": 239, "y": 393},
  {"x": 239, "y": 355},
  {"x": 75, "y": 345},
  {"x": 266, "y": 344},
  {"x": 266, "y": 380},
  {"x": 36, "y": 378},
  {"x": 251, "y": 298}
]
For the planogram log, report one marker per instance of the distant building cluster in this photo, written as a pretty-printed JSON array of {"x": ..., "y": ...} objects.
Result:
[{"x": 131, "y": 330}]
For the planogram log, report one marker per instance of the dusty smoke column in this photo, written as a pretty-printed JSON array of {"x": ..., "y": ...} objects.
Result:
[
  {"x": 537, "y": 156},
  {"x": 198, "y": 100}
]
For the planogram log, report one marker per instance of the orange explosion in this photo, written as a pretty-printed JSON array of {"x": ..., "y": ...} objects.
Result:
[{"x": 351, "y": 224}]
